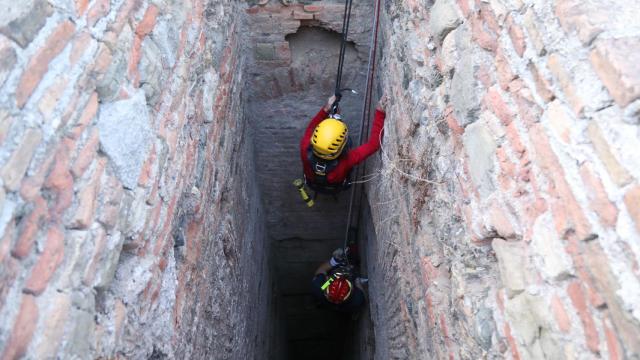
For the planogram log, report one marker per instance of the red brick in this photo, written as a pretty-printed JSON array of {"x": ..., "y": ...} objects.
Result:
[
  {"x": 489, "y": 17},
  {"x": 87, "y": 198},
  {"x": 560, "y": 314},
  {"x": 616, "y": 63},
  {"x": 23, "y": 329},
  {"x": 464, "y": 7},
  {"x": 79, "y": 46},
  {"x": 613, "y": 345},
  {"x": 10, "y": 269},
  {"x": 561, "y": 121},
  {"x": 125, "y": 11},
  {"x": 618, "y": 173},
  {"x": 99, "y": 9},
  {"x": 81, "y": 6},
  {"x": 542, "y": 85},
  {"x": 48, "y": 262},
  {"x": 89, "y": 113},
  {"x": 503, "y": 69},
  {"x": 494, "y": 101},
  {"x": 512, "y": 342},
  {"x": 60, "y": 181},
  {"x": 576, "y": 294},
  {"x": 39, "y": 63},
  {"x": 312, "y": 8},
  {"x": 86, "y": 155},
  {"x": 486, "y": 38},
  {"x": 14, "y": 169},
  {"x": 632, "y": 201},
  {"x": 597, "y": 196},
  {"x": 517, "y": 36},
  {"x": 102, "y": 61},
  {"x": 28, "y": 228},
  {"x": 568, "y": 214},
  {"x": 148, "y": 21},
  {"x": 555, "y": 64},
  {"x": 30, "y": 187},
  {"x": 146, "y": 173},
  {"x": 301, "y": 15}
]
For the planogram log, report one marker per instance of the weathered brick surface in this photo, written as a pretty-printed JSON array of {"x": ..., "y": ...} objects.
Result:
[
  {"x": 615, "y": 61},
  {"x": 526, "y": 218},
  {"x": 89, "y": 264},
  {"x": 39, "y": 63}
]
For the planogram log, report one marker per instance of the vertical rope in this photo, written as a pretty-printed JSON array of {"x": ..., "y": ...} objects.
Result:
[
  {"x": 366, "y": 112},
  {"x": 343, "y": 47}
]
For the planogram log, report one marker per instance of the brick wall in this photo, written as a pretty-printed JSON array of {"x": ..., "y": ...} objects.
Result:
[
  {"x": 121, "y": 132},
  {"x": 507, "y": 214}
]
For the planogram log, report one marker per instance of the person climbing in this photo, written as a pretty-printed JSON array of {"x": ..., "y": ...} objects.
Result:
[
  {"x": 325, "y": 151},
  {"x": 335, "y": 285}
]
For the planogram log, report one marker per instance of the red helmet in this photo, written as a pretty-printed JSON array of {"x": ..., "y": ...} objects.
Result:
[{"x": 338, "y": 291}]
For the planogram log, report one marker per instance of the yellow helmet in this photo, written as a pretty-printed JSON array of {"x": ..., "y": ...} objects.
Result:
[{"x": 329, "y": 138}]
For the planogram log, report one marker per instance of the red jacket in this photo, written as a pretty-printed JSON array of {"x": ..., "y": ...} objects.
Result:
[{"x": 346, "y": 161}]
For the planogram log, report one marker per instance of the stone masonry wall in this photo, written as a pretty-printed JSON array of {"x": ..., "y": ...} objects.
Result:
[
  {"x": 121, "y": 135},
  {"x": 508, "y": 211}
]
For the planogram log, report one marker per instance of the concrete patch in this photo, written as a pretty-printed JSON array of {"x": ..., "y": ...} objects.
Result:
[{"x": 125, "y": 136}]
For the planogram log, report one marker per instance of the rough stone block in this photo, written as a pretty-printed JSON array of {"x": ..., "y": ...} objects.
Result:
[
  {"x": 125, "y": 136},
  {"x": 166, "y": 37},
  {"x": 265, "y": 51},
  {"x": 55, "y": 317},
  {"x": 616, "y": 62},
  {"x": 480, "y": 147},
  {"x": 465, "y": 91},
  {"x": 151, "y": 72},
  {"x": 22, "y": 20},
  {"x": 19, "y": 161},
  {"x": 512, "y": 264},
  {"x": 547, "y": 245},
  {"x": 8, "y": 59},
  {"x": 444, "y": 17},
  {"x": 587, "y": 18}
]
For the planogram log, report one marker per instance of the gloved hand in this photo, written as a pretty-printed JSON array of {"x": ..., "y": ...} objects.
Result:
[
  {"x": 338, "y": 258},
  {"x": 330, "y": 102},
  {"x": 382, "y": 103}
]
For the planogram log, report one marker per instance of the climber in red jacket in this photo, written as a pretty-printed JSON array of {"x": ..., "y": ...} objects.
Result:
[{"x": 325, "y": 149}]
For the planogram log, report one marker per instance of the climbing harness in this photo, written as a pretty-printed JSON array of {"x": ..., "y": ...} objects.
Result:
[{"x": 366, "y": 112}]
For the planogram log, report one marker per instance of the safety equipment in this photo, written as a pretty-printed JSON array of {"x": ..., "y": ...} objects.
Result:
[
  {"x": 329, "y": 138},
  {"x": 339, "y": 290},
  {"x": 299, "y": 184}
]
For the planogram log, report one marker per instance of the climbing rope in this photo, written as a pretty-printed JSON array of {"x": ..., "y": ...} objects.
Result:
[
  {"x": 343, "y": 47},
  {"x": 366, "y": 112}
]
